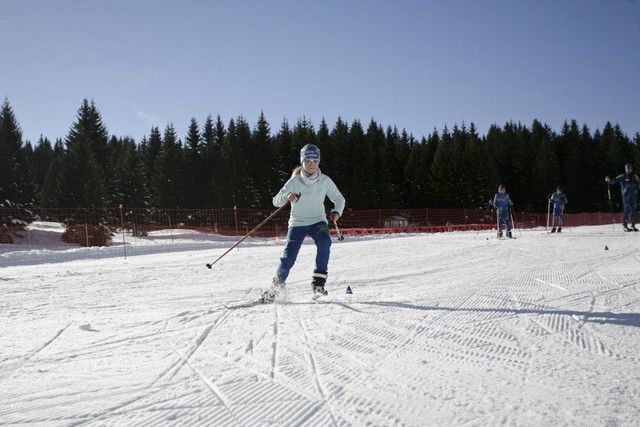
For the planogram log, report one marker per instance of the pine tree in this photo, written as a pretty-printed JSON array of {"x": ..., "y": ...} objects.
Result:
[
  {"x": 51, "y": 192},
  {"x": 341, "y": 159},
  {"x": 617, "y": 148},
  {"x": 417, "y": 171},
  {"x": 360, "y": 169},
  {"x": 195, "y": 183},
  {"x": 331, "y": 163},
  {"x": 545, "y": 169},
  {"x": 442, "y": 175},
  {"x": 265, "y": 169},
  {"x": 478, "y": 170},
  {"x": 16, "y": 184},
  {"x": 573, "y": 172},
  {"x": 90, "y": 126},
  {"x": 127, "y": 184},
  {"x": 167, "y": 179},
  {"x": 286, "y": 154},
  {"x": 27, "y": 178},
  {"x": 247, "y": 194},
  {"x": 134, "y": 189},
  {"x": 374, "y": 160},
  {"x": 82, "y": 181},
  {"x": 323, "y": 138},
  {"x": 520, "y": 163},
  {"x": 150, "y": 151},
  {"x": 303, "y": 133},
  {"x": 212, "y": 136},
  {"x": 595, "y": 170},
  {"x": 392, "y": 162},
  {"x": 113, "y": 179},
  {"x": 635, "y": 150},
  {"x": 234, "y": 181},
  {"x": 42, "y": 158}
]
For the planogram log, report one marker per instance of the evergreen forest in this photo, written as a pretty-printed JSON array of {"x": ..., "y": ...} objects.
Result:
[{"x": 223, "y": 164}]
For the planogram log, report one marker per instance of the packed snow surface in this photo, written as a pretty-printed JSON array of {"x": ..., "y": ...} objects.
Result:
[{"x": 441, "y": 329}]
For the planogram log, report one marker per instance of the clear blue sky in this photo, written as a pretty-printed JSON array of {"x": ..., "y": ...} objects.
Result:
[{"x": 418, "y": 65}]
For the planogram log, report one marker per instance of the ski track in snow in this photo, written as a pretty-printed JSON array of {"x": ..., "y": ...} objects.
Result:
[{"x": 446, "y": 329}]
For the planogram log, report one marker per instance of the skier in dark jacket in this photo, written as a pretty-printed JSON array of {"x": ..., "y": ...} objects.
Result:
[
  {"x": 629, "y": 188},
  {"x": 502, "y": 203},
  {"x": 558, "y": 200}
]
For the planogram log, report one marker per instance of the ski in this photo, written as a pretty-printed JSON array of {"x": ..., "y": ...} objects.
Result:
[
  {"x": 246, "y": 304},
  {"x": 253, "y": 303},
  {"x": 319, "y": 295}
]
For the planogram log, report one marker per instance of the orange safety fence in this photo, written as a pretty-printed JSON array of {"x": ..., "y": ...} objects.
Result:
[
  {"x": 44, "y": 235},
  {"x": 239, "y": 221}
]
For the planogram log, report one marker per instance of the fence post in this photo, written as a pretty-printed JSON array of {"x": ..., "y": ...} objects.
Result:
[
  {"x": 235, "y": 217},
  {"x": 124, "y": 243},
  {"x": 170, "y": 229}
]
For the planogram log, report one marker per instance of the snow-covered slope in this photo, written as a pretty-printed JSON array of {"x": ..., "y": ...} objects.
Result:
[{"x": 443, "y": 329}]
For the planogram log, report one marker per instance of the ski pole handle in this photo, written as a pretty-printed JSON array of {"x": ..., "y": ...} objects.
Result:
[{"x": 338, "y": 232}]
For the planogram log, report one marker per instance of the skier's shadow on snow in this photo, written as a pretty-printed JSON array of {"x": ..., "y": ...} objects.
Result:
[{"x": 602, "y": 317}]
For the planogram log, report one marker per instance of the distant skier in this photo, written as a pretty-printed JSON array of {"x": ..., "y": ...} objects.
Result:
[
  {"x": 502, "y": 202},
  {"x": 306, "y": 190},
  {"x": 629, "y": 189},
  {"x": 558, "y": 200}
]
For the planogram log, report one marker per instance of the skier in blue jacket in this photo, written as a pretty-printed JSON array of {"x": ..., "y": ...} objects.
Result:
[
  {"x": 558, "y": 200},
  {"x": 502, "y": 203},
  {"x": 306, "y": 190},
  {"x": 629, "y": 189}
]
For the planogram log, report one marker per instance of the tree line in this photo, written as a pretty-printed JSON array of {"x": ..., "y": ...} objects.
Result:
[{"x": 220, "y": 165}]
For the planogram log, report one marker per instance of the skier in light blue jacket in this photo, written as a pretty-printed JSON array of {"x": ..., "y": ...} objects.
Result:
[{"x": 306, "y": 190}]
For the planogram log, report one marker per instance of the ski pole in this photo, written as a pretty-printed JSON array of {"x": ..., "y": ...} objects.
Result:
[
  {"x": 564, "y": 211},
  {"x": 484, "y": 217},
  {"x": 613, "y": 221},
  {"x": 548, "y": 210},
  {"x": 249, "y": 234},
  {"x": 338, "y": 232},
  {"x": 513, "y": 223}
]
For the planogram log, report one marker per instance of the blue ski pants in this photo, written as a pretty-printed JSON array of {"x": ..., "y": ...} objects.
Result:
[
  {"x": 503, "y": 218},
  {"x": 558, "y": 216},
  {"x": 319, "y": 232},
  {"x": 629, "y": 214},
  {"x": 630, "y": 208}
]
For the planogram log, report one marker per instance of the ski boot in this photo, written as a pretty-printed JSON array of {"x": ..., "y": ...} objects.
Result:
[
  {"x": 625, "y": 228},
  {"x": 559, "y": 229},
  {"x": 553, "y": 230},
  {"x": 633, "y": 227},
  {"x": 317, "y": 283},
  {"x": 273, "y": 292},
  {"x": 509, "y": 234},
  {"x": 500, "y": 234}
]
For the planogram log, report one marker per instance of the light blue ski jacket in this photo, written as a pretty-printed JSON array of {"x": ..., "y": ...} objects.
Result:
[{"x": 309, "y": 208}]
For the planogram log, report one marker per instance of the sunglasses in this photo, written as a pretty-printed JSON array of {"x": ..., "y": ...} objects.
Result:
[{"x": 309, "y": 161}]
